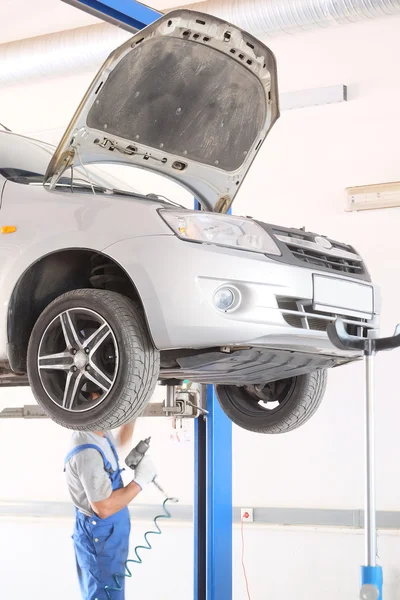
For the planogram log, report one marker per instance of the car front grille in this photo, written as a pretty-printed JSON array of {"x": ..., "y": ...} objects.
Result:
[
  {"x": 338, "y": 258},
  {"x": 313, "y": 251},
  {"x": 300, "y": 314}
]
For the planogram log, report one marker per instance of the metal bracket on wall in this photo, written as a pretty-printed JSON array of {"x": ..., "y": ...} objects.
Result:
[{"x": 313, "y": 97}]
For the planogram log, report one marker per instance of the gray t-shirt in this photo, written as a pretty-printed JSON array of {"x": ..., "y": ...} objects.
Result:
[{"x": 87, "y": 479}]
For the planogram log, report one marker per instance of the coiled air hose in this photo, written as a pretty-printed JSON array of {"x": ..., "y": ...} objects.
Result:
[{"x": 138, "y": 559}]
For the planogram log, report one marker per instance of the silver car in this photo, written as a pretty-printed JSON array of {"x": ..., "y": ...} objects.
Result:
[{"x": 104, "y": 290}]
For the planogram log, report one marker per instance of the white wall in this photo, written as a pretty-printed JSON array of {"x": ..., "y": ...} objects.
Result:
[
  {"x": 281, "y": 563},
  {"x": 35, "y": 450},
  {"x": 298, "y": 179},
  {"x": 311, "y": 156}
]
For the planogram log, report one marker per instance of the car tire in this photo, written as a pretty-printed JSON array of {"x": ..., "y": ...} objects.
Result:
[
  {"x": 297, "y": 400},
  {"x": 126, "y": 357}
]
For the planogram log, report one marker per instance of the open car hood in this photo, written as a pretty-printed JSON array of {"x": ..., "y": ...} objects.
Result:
[{"x": 190, "y": 97}]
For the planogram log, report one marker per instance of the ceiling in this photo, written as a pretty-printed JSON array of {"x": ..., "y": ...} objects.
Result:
[{"x": 26, "y": 18}]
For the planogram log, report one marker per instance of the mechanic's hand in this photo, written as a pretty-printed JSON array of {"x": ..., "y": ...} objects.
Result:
[{"x": 145, "y": 472}]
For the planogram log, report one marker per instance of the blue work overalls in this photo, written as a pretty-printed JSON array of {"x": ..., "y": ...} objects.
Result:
[{"x": 101, "y": 545}]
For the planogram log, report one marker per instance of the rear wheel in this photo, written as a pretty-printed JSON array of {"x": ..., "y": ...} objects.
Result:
[
  {"x": 91, "y": 363},
  {"x": 274, "y": 407}
]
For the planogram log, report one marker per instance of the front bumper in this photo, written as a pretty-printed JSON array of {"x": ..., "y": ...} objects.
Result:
[{"x": 177, "y": 281}]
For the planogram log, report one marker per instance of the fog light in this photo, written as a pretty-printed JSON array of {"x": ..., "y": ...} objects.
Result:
[{"x": 224, "y": 298}]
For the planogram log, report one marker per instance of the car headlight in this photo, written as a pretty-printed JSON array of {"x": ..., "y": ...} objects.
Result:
[{"x": 222, "y": 230}]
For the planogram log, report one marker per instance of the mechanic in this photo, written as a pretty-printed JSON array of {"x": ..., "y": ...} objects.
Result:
[{"x": 102, "y": 527}]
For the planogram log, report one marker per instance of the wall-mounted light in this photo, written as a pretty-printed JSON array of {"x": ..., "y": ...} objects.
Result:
[{"x": 373, "y": 197}]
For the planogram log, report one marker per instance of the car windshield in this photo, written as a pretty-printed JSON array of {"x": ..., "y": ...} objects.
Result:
[{"x": 25, "y": 161}]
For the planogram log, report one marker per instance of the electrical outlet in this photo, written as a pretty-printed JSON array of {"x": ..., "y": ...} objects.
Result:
[{"x": 246, "y": 514}]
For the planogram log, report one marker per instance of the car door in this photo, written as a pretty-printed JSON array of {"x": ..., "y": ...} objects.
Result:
[
  {"x": 7, "y": 249},
  {"x": 19, "y": 157}
]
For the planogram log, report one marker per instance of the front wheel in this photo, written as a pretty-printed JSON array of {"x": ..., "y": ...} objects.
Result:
[
  {"x": 274, "y": 407},
  {"x": 91, "y": 363}
]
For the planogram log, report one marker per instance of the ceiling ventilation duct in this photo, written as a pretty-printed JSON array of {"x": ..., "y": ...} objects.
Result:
[
  {"x": 86, "y": 48},
  {"x": 64, "y": 52},
  {"x": 276, "y": 17}
]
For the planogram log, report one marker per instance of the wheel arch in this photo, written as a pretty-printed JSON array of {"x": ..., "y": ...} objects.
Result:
[{"x": 50, "y": 276}]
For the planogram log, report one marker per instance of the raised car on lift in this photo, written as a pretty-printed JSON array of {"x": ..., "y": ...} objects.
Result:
[{"x": 104, "y": 291}]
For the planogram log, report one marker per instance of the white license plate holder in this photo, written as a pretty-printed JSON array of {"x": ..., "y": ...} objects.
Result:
[{"x": 339, "y": 296}]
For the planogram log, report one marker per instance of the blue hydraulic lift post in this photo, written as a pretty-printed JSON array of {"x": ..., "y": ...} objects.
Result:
[
  {"x": 213, "y": 500},
  {"x": 219, "y": 501},
  {"x": 213, "y": 435}
]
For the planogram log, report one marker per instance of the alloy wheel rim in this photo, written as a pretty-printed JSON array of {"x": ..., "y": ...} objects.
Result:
[
  {"x": 271, "y": 396},
  {"x": 78, "y": 360}
]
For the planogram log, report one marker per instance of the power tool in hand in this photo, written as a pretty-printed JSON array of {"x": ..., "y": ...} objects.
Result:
[{"x": 136, "y": 455}]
